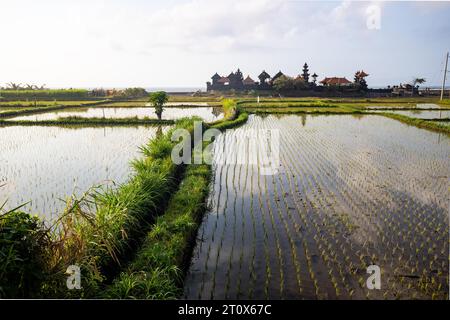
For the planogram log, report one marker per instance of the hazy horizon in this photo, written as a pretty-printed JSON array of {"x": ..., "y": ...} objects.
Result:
[{"x": 182, "y": 43}]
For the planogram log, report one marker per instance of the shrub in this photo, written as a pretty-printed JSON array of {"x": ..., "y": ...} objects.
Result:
[{"x": 22, "y": 255}]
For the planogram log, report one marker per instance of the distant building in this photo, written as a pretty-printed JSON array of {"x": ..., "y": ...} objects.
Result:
[
  {"x": 236, "y": 81},
  {"x": 404, "y": 90},
  {"x": 275, "y": 77},
  {"x": 249, "y": 83},
  {"x": 336, "y": 81}
]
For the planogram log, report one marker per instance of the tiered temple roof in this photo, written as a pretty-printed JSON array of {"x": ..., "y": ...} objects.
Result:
[
  {"x": 279, "y": 74},
  {"x": 248, "y": 81},
  {"x": 362, "y": 74}
]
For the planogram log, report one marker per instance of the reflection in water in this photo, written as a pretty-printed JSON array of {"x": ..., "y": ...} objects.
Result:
[
  {"x": 303, "y": 116},
  {"x": 45, "y": 164},
  {"x": 217, "y": 112},
  {"x": 208, "y": 114},
  {"x": 349, "y": 193}
]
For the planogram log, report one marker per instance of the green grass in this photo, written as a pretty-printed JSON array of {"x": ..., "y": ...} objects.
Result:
[
  {"x": 43, "y": 109},
  {"x": 309, "y": 110},
  {"x": 24, "y": 111},
  {"x": 444, "y": 101},
  {"x": 437, "y": 126},
  {"x": 189, "y": 98},
  {"x": 356, "y": 103},
  {"x": 59, "y": 94},
  {"x": 284, "y": 104},
  {"x": 157, "y": 270},
  {"x": 81, "y": 121},
  {"x": 40, "y": 103}
]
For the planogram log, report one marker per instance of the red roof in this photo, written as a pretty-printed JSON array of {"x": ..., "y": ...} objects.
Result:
[
  {"x": 223, "y": 80},
  {"x": 335, "y": 81}
]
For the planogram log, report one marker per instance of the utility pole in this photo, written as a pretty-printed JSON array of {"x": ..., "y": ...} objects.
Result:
[{"x": 445, "y": 76}]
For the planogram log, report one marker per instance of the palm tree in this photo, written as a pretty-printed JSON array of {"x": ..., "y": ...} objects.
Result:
[
  {"x": 417, "y": 82},
  {"x": 14, "y": 86}
]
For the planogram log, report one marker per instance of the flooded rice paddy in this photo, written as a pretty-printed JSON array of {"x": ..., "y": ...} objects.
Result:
[
  {"x": 425, "y": 114},
  {"x": 46, "y": 164},
  {"x": 208, "y": 114},
  {"x": 181, "y": 103},
  {"x": 351, "y": 191}
]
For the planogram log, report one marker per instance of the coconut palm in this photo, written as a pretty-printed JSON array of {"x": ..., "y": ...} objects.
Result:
[
  {"x": 14, "y": 86},
  {"x": 417, "y": 82}
]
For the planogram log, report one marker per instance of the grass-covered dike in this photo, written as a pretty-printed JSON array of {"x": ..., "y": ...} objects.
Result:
[
  {"x": 430, "y": 124},
  {"x": 43, "y": 109},
  {"x": 81, "y": 121}
]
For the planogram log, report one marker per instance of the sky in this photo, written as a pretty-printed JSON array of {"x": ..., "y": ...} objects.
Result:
[{"x": 182, "y": 43}]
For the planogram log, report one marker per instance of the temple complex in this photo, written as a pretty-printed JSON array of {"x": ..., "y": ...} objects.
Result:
[{"x": 236, "y": 81}]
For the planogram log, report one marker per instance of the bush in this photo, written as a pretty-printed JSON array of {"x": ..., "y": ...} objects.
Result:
[{"x": 22, "y": 255}]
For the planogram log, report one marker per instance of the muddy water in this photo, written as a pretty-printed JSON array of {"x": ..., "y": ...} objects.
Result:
[
  {"x": 350, "y": 192},
  {"x": 208, "y": 114},
  {"x": 44, "y": 165}
]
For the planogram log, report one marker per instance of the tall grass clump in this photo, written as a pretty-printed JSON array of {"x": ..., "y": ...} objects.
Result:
[{"x": 229, "y": 108}]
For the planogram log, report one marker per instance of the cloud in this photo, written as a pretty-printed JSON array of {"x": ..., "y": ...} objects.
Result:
[
  {"x": 204, "y": 26},
  {"x": 179, "y": 42}
]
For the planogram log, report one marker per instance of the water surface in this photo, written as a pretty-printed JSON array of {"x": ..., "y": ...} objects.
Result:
[
  {"x": 208, "y": 114},
  {"x": 45, "y": 164},
  {"x": 350, "y": 191}
]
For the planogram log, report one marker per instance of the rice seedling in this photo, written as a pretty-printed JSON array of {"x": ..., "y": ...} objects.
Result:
[{"x": 352, "y": 203}]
